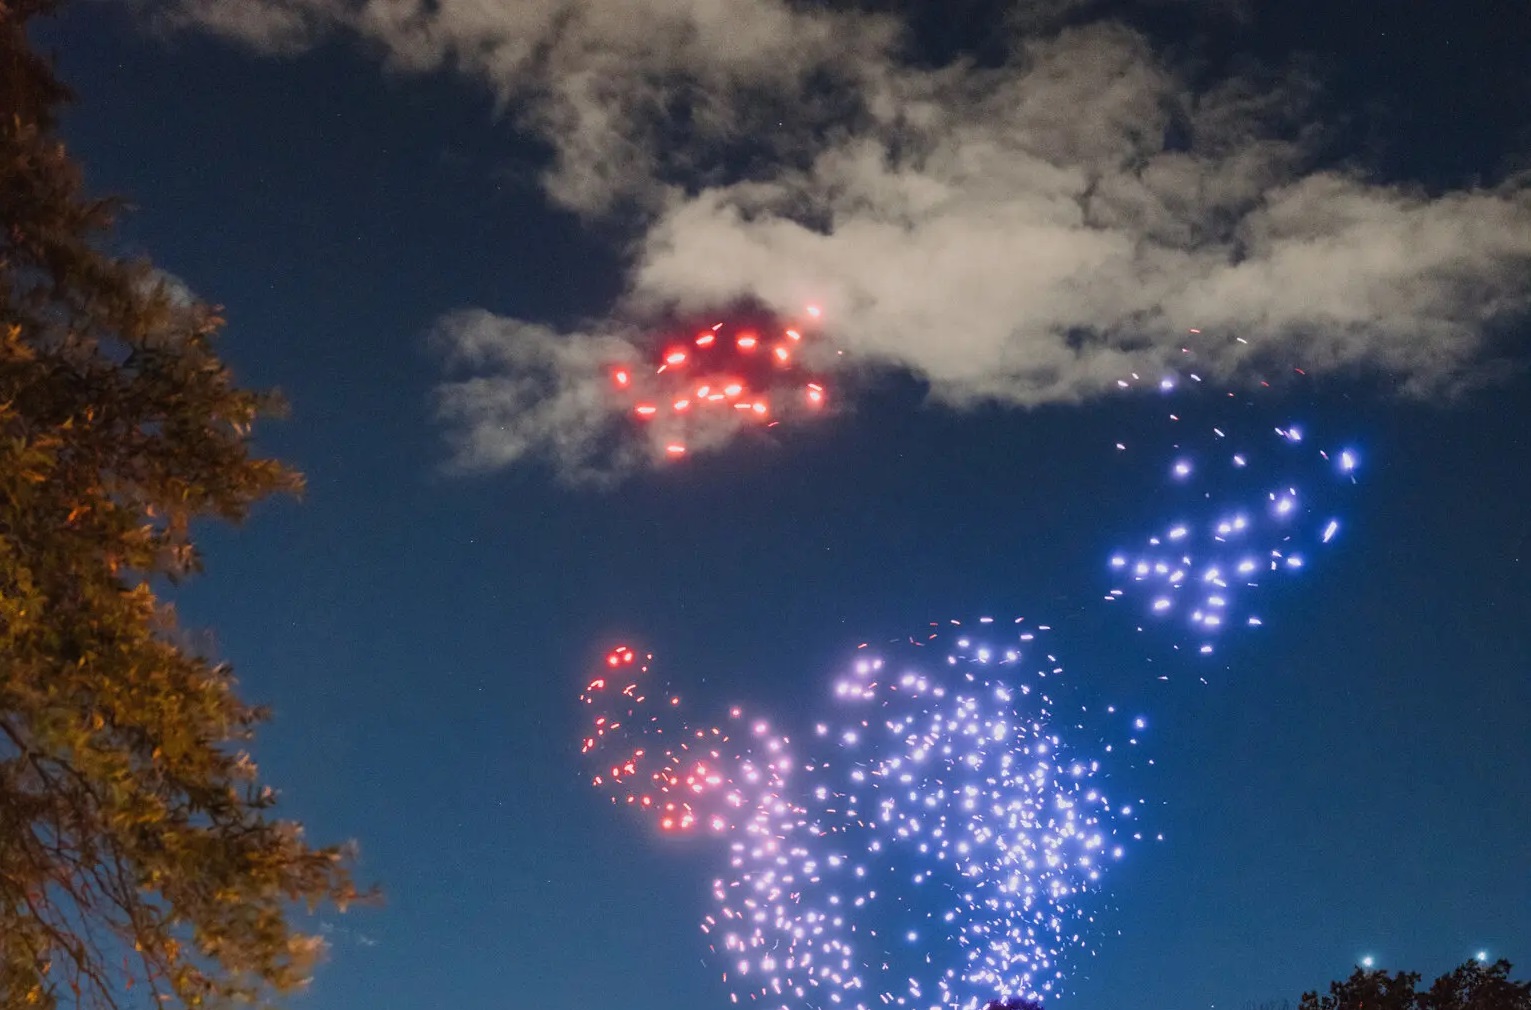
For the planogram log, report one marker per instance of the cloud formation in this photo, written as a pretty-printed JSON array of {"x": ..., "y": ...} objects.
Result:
[
  {"x": 517, "y": 389},
  {"x": 1024, "y": 233}
]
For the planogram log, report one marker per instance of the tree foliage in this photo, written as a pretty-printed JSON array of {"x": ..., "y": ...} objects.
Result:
[
  {"x": 1473, "y": 986},
  {"x": 140, "y": 860}
]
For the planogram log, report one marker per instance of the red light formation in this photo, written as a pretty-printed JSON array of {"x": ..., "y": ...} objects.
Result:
[
  {"x": 717, "y": 381},
  {"x": 646, "y": 756}
]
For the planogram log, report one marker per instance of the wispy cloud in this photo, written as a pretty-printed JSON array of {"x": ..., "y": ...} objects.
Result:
[
  {"x": 273, "y": 27},
  {"x": 1025, "y": 233},
  {"x": 521, "y": 390}
]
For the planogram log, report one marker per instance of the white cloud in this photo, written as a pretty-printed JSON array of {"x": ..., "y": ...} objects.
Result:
[
  {"x": 976, "y": 248},
  {"x": 603, "y": 82},
  {"x": 274, "y": 27},
  {"x": 529, "y": 391},
  {"x": 1021, "y": 234}
]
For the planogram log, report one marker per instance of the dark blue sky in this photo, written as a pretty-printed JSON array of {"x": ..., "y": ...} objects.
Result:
[{"x": 1353, "y": 781}]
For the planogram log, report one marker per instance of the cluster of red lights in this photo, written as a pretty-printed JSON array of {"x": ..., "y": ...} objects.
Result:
[
  {"x": 666, "y": 783},
  {"x": 715, "y": 373}
]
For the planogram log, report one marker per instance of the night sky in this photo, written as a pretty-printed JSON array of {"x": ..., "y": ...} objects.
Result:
[{"x": 1349, "y": 781}]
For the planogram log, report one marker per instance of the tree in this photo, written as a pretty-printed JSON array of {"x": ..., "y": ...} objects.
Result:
[
  {"x": 1473, "y": 986},
  {"x": 140, "y": 858}
]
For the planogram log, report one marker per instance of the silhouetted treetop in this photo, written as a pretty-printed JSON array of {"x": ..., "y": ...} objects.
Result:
[
  {"x": 1473, "y": 986},
  {"x": 1013, "y": 1003}
]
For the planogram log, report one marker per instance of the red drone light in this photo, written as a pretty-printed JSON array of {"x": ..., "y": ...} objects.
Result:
[{"x": 717, "y": 370}]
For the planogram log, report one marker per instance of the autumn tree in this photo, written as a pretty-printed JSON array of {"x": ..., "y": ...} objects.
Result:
[
  {"x": 141, "y": 862},
  {"x": 1473, "y": 986}
]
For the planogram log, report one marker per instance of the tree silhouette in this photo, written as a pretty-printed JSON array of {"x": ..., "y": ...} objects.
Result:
[
  {"x": 139, "y": 859},
  {"x": 1473, "y": 986}
]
